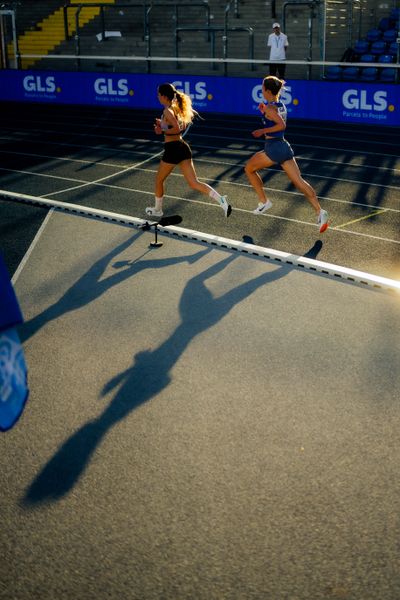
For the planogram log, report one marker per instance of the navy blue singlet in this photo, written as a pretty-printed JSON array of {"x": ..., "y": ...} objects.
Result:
[{"x": 282, "y": 111}]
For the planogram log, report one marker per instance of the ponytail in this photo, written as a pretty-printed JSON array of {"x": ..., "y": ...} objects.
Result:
[{"x": 181, "y": 103}]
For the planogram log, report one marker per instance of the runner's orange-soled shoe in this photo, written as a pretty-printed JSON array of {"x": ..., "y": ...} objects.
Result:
[{"x": 323, "y": 220}]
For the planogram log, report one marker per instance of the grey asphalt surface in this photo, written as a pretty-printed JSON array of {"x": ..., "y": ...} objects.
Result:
[{"x": 202, "y": 424}]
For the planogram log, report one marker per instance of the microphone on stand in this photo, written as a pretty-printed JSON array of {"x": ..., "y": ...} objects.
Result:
[{"x": 163, "y": 222}]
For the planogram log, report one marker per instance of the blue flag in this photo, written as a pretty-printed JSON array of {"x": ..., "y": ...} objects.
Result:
[{"x": 13, "y": 372}]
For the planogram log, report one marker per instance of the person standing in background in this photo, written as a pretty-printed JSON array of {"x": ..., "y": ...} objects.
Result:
[{"x": 277, "y": 43}]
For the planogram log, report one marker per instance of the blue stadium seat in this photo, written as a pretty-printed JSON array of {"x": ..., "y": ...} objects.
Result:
[
  {"x": 373, "y": 35},
  {"x": 367, "y": 58},
  {"x": 385, "y": 24},
  {"x": 377, "y": 48},
  {"x": 361, "y": 47},
  {"x": 389, "y": 36},
  {"x": 333, "y": 73},
  {"x": 395, "y": 14},
  {"x": 385, "y": 58},
  {"x": 388, "y": 75},
  {"x": 350, "y": 73},
  {"x": 369, "y": 74},
  {"x": 392, "y": 49}
]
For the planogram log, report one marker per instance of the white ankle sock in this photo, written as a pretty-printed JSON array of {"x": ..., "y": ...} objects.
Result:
[
  {"x": 158, "y": 202},
  {"x": 214, "y": 195}
]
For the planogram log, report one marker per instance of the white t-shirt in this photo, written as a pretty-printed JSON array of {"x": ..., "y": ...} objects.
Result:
[{"x": 277, "y": 43}]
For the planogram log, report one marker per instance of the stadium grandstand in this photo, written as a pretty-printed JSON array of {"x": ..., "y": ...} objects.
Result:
[{"x": 129, "y": 36}]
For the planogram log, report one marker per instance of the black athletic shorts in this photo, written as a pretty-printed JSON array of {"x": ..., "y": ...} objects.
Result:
[{"x": 176, "y": 151}]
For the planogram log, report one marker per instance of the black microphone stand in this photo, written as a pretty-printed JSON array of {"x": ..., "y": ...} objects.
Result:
[{"x": 163, "y": 222}]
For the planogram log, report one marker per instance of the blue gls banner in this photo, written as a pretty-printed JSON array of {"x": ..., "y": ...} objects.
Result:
[{"x": 321, "y": 100}]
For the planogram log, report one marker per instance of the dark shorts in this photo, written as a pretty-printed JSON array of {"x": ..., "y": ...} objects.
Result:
[
  {"x": 278, "y": 150},
  {"x": 175, "y": 152}
]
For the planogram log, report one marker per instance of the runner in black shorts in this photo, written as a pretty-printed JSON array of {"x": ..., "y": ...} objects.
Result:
[
  {"x": 177, "y": 115},
  {"x": 176, "y": 152},
  {"x": 277, "y": 150}
]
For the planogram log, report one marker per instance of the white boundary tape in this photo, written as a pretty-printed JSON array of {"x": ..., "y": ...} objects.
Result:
[{"x": 303, "y": 262}]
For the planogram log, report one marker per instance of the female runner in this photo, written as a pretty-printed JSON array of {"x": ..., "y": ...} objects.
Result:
[
  {"x": 177, "y": 115},
  {"x": 278, "y": 151}
]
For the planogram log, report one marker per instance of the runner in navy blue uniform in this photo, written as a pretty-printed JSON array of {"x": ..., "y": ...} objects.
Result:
[
  {"x": 278, "y": 151},
  {"x": 177, "y": 115}
]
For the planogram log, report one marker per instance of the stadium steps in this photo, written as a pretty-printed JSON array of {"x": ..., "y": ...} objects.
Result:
[
  {"x": 47, "y": 36},
  {"x": 49, "y": 33}
]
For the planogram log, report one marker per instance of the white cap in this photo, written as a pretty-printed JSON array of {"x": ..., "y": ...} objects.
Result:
[{"x": 276, "y": 25}]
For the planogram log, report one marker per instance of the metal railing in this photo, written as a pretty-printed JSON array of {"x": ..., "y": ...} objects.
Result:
[
  {"x": 204, "y": 4},
  {"x": 312, "y": 6},
  {"x": 212, "y": 34},
  {"x": 102, "y": 6},
  {"x": 10, "y": 14},
  {"x": 147, "y": 9},
  {"x": 212, "y": 31},
  {"x": 218, "y": 60},
  {"x": 235, "y": 7}
]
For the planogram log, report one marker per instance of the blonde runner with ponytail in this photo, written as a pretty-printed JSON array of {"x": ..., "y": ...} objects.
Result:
[{"x": 177, "y": 115}]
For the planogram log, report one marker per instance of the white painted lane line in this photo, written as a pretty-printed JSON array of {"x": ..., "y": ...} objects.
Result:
[
  {"x": 173, "y": 174},
  {"x": 93, "y": 163},
  {"x": 210, "y": 160},
  {"x": 230, "y": 139},
  {"x": 236, "y": 209},
  {"x": 31, "y": 247},
  {"x": 97, "y": 181}
]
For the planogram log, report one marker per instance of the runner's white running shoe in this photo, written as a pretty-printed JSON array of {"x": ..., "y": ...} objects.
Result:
[
  {"x": 322, "y": 221},
  {"x": 262, "y": 207},
  {"x": 227, "y": 208},
  {"x": 152, "y": 211}
]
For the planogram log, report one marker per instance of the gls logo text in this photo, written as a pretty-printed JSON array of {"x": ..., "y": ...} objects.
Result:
[
  {"x": 35, "y": 83},
  {"x": 200, "y": 91},
  {"x": 286, "y": 95},
  {"x": 358, "y": 100},
  {"x": 109, "y": 87}
]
